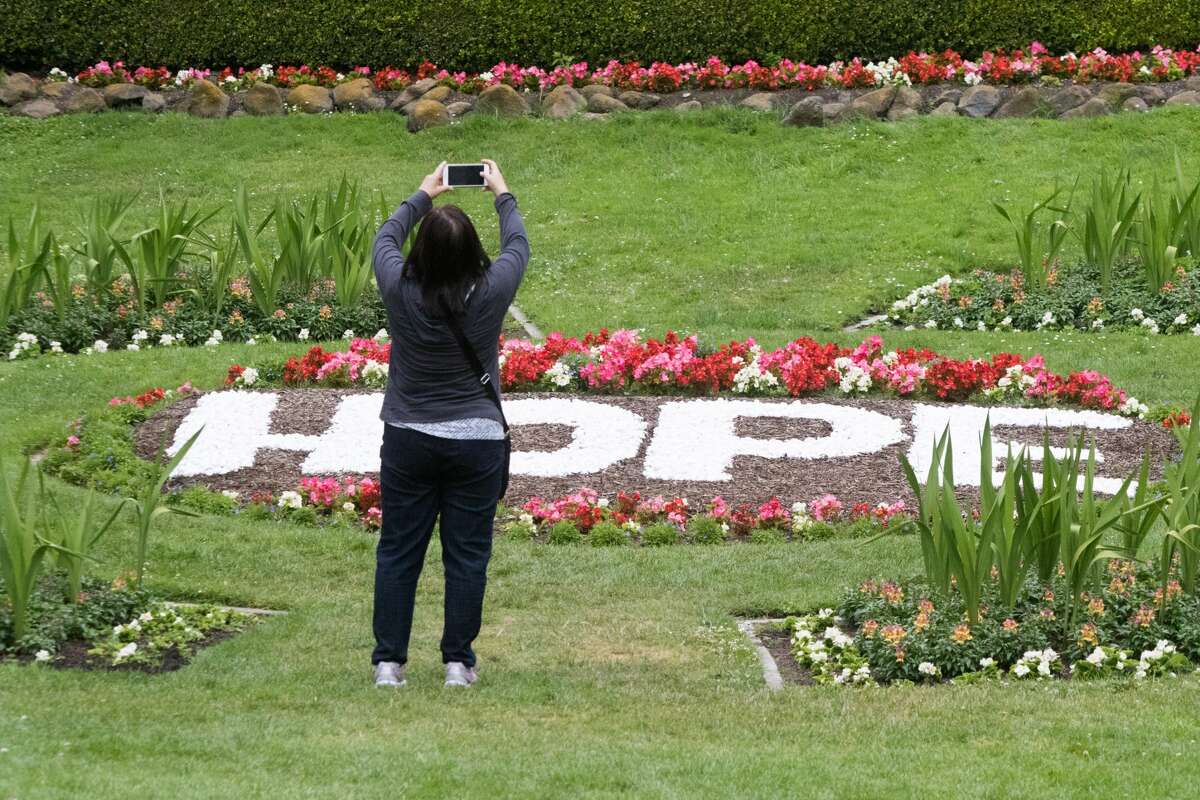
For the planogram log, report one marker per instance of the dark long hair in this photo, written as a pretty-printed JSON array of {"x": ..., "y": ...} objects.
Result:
[{"x": 446, "y": 259}]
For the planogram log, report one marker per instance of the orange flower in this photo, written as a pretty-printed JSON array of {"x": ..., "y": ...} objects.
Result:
[
  {"x": 892, "y": 593},
  {"x": 1096, "y": 607},
  {"x": 1089, "y": 635},
  {"x": 1010, "y": 625},
  {"x": 961, "y": 634},
  {"x": 893, "y": 634},
  {"x": 869, "y": 629},
  {"x": 1143, "y": 617}
]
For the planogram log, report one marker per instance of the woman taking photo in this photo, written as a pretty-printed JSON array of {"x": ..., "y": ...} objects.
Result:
[{"x": 444, "y": 454}]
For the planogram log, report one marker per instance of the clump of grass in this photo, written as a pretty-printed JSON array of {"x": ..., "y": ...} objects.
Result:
[
  {"x": 607, "y": 535},
  {"x": 706, "y": 530},
  {"x": 565, "y": 533},
  {"x": 660, "y": 535}
]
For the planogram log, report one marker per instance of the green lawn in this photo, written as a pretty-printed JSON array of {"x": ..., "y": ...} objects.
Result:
[
  {"x": 605, "y": 673},
  {"x": 726, "y": 222}
]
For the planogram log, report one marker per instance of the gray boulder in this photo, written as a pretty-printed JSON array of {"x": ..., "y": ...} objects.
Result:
[
  {"x": 873, "y": 104},
  {"x": 1192, "y": 84},
  {"x": 60, "y": 90},
  {"x": 945, "y": 96},
  {"x": 1067, "y": 98},
  {"x": 598, "y": 103},
  {"x": 37, "y": 109},
  {"x": 1116, "y": 93},
  {"x": 311, "y": 99},
  {"x": 413, "y": 92},
  {"x": 562, "y": 102},
  {"x": 263, "y": 100},
  {"x": 17, "y": 87},
  {"x": 1095, "y": 107},
  {"x": 688, "y": 106},
  {"x": 594, "y": 89},
  {"x": 907, "y": 103},
  {"x": 1151, "y": 94},
  {"x": 808, "y": 112},
  {"x": 85, "y": 101},
  {"x": 833, "y": 111},
  {"x": 427, "y": 114},
  {"x": 1189, "y": 98},
  {"x": 356, "y": 95},
  {"x": 205, "y": 99},
  {"x": 1135, "y": 104},
  {"x": 124, "y": 95},
  {"x": 1027, "y": 102},
  {"x": 760, "y": 101},
  {"x": 501, "y": 100},
  {"x": 947, "y": 108},
  {"x": 154, "y": 102},
  {"x": 459, "y": 108},
  {"x": 639, "y": 100},
  {"x": 979, "y": 101}
]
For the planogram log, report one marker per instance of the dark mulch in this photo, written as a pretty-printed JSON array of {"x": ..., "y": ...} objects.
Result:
[
  {"x": 779, "y": 644},
  {"x": 73, "y": 654},
  {"x": 870, "y": 478}
]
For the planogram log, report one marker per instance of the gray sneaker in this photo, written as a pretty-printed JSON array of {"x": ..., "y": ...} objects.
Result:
[
  {"x": 389, "y": 673},
  {"x": 459, "y": 674}
]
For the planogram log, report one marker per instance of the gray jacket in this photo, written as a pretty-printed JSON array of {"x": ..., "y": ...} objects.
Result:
[{"x": 429, "y": 379}]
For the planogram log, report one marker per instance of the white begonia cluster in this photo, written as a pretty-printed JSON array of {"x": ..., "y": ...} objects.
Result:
[
  {"x": 1162, "y": 649},
  {"x": 972, "y": 78},
  {"x": 25, "y": 343},
  {"x": 42, "y": 656},
  {"x": 1132, "y": 407},
  {"x": 302, "y": 335},
  {"x": 1151, "y": 325},
  {"x": 752, "y": 378},
  {"x": 290, "y": 499},
  {"x": 1014, "y": 381},
  {"x": 381, "y": 335},
  {"x": 801, "y": 519},
  {"x": 852, "y": 377},
  {"x": 347, "y": 334},
  {"x": 230, "y": 493},
  {"x": 1181, "y": 320},
  {"x": 888, "y": 72},
  {"x": 559, "y": 375},
  {"x": 1037, "y": 663},
  {"x": 920, "y": 296},
  {"x": 248, "y": 378},
  {"x": 125, "y": 652},
  {"x": 929, "y": 669},
  {"x": 1048, "y": 320},
  {"x": 215, "y": 339},
  {"x": 374, "y": 373},
  {"x": 1196, "y": 330}
]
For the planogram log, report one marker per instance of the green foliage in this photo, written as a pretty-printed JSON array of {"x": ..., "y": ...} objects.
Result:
[
  {"x": 54, "y": 620},
  {"x": 74, "y": 32},
  {"x": 203, "y": 500},
  {"x": 1105, "y": 221},
  {"x": 767, "y": 536},
  {"x": 22, "y": 549},
  {"x": 607, "y": 534},
  {"x": 75, "y": 537},
  {"x": 1038, "y": 244},
  {"x": 703, "y": 529},
  {"x": 660, "y": 535},
  {"x": 565, "y": 533},
  {"x": 148, "y": 506}
]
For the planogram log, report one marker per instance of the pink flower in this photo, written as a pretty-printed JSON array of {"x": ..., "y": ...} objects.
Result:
[
  {"x": 825, "y": 508},
  {"x": 72, "y": 440}
]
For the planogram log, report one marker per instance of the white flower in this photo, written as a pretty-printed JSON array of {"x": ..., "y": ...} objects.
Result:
[
  {"x": 145, "y": 616},
  {"x": 1006, "y": 322},
  {"x": 1097, "y": 324},
  {"x": 987, "y": 663},
  {"x": 303, "y": 334},
  {"x": 55, "y": 347},
  {"x": 1181, "y": 320},
  {"x": 558, "y": 375},
  {"x": 1096, "y": 657},
  {"x": 602, "y": 502},
  {"x": 927, "y": 668},
  {"x": 374, "y": 373},
  {"x": 125, "y": 652},
  {"x": 486, "y": 76},
  {"x": 347, "y": 334},
  {"x": 1020, "y": 670},
  {"x": 1132, "y": 408},
  {"x": 980, "y": 326},
  {"x": 42, "y": 656},
  {"x": 215, "y": 339},
  {"x": 248, "y": 377},
  {"x": 1196, "y": 330},
  {"x": 132, "y": 347},
  {"x": 381, "y": 335},
  {"x": 290, "y": 499},
  {"x": 166, "y": 340},
  {"x": 348, "y": 506},
  {"x": 958, "y": 322},
  {"x": 931, "y": 324},
  {"x": 1137, "y": 314},
  {"x": 139, "y": 336},
  {"x": 251, "y": 341},
  {"x": 230, "y": 493},
  {"x": 526, "y": 518},
  {"x": 1150, "y": 324}
]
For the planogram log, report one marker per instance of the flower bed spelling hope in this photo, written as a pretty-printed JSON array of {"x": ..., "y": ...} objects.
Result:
[{"x": 993, "y": 66}]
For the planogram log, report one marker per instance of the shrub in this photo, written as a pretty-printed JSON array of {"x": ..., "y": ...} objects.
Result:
[
  {"x": 767, "y": 536},
  {"x": 818, "y": 531},
  {"x": 205, "y": 501},
  {"x": 706, "y": 530},
  {"x": 305, "y": 515},
  {"x": 607, "y": 535},
  {"x": 660, "y": 535},
  {"x": 258, "y": 512},
  {"x": 565, "y": 533},
  {"x": 72, "y": 33}
]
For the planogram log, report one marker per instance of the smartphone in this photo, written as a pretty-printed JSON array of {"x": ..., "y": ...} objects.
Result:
[{"x": 463, "y": 175}]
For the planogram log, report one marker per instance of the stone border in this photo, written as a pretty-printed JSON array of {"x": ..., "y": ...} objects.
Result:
[
  {"x": 770, "y": 669},
  {"x": 426, "y": 103}
]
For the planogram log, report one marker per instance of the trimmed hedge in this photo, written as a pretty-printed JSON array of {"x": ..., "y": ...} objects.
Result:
[{"x": 474, "y": 34}]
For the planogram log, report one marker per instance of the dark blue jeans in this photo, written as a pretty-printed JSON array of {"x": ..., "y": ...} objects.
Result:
[{"x": 424, "y": 478}]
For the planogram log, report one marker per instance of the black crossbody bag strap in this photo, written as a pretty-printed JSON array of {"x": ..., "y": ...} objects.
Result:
[{"x": 481, "y": 374}]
